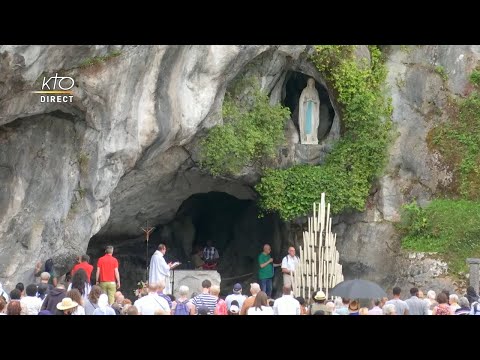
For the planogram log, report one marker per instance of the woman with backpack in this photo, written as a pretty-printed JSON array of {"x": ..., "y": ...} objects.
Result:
[
  {"x": 221, "y": 307},
  {"x": 183, "y": 306}
]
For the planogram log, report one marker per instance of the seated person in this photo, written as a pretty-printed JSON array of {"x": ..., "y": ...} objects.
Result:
[
  {"x": 197, "y": 260},
  {"x": 210, "y": 256}
]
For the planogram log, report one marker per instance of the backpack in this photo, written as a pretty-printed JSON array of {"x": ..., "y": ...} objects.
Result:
[
  {"x": 221, "y": 307},
  {"x": 182, "y": 308}
]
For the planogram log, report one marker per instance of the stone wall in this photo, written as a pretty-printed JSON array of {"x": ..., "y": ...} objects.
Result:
[{"x": 193, "y": 279}]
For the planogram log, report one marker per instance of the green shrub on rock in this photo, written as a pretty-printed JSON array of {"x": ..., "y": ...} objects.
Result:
[
  {"x": 252, "y": 132},
  {"x": 358, "y": 157}
]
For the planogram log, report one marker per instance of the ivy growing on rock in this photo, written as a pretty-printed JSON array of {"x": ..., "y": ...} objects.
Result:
[
  {"x": 358, "y": 157},
  {"x": 251, "y": 134},
  {"x": 448, "y": 227},
  {"x": 458, "y": 141}
]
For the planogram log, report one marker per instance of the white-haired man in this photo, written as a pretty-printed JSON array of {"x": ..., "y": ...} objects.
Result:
[
  {"x": 289, "y": 263},
  {"x": 464, "y": 306},
  {"x": 45, "y": 279},
  {"x": 248, "y": 303},
  {"x": 150, "y": 303},
  {"x": 237, "y": 295}
]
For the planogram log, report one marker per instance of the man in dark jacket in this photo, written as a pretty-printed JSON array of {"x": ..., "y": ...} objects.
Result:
[
  {"x": 54, "y": 297},
  {"x": 471, "y": 295}
]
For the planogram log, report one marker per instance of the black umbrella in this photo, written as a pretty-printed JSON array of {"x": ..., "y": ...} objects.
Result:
[{"x": 358, "y": 289}]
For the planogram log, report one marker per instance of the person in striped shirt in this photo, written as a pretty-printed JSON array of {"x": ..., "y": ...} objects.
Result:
[
  {"x": 210, "y": 256},
  {"x": 204, "y": 299}
]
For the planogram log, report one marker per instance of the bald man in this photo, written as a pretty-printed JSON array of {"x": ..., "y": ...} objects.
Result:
[
  {"x": 289, "y": 264},
  {"x": 265, "y": 271}
]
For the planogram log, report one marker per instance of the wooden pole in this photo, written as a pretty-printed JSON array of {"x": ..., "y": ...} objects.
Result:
[{"x": 147, "y": 230}]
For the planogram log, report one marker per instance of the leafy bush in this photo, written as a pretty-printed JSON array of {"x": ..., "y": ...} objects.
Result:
[
  {"x": 458, "y": 140},
  {"x": 448, "y": 227},
  {"x": 357, "y": 158},
  {"x": 250, "y": 135},
  {"x": 475, "y": 77}
]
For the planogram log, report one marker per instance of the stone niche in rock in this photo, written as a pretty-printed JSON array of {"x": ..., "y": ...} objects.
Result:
[
  {"x": 233, "y": 225},
  {"x": 295, "y": 83}
]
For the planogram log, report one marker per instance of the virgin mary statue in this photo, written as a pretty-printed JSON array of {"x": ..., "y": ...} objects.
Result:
[{"x": 309, "y": 114}]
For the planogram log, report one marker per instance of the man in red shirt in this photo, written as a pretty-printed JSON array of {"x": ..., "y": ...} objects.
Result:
[
  {"x": 83, "y": 264},
  {"x": 107, "y": 274}
]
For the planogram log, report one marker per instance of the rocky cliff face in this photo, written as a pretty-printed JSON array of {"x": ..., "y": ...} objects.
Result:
[
  {"x": 421, "y": 80},
  {"x": 118, "y": 152},
  {"x": 124, "y": 150}
]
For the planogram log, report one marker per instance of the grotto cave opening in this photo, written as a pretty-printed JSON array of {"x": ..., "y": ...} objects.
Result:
[{"x": 233, "y": 226}]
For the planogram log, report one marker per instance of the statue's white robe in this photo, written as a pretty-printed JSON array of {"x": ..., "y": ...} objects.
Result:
[{"x": 309, "y": 94}]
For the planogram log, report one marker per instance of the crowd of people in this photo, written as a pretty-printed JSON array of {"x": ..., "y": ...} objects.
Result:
[
  {"x": 83, "y": 296},
  {"x": 80, "y": 298}
]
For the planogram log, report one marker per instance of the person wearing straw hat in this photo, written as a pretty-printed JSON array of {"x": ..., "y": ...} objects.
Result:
[
  {"x": 67, "y": 305},
  {"x": 319, "y": 303}
]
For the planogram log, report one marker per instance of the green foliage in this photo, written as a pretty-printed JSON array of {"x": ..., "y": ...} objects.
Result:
[
  {"x": 449, "y": 227},
  {"x": 99, "y": 59},
  {"x": 252, "y": 131},
  {"x": 440, "y": 70},
  {"x": 357, "y": 158},
  {"x": 458, "y": 140},
  {"x": 475, "y": 77}
]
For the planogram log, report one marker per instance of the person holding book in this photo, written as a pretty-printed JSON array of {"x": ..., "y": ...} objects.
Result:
[{"x": 159, "y": 269}]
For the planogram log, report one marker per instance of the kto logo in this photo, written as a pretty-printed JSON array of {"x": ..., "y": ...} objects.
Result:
[{"x": 57, "y": 89}]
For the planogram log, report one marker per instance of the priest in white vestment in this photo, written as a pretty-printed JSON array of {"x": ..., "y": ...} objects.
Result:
[{"x": 159, "y": 269}]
